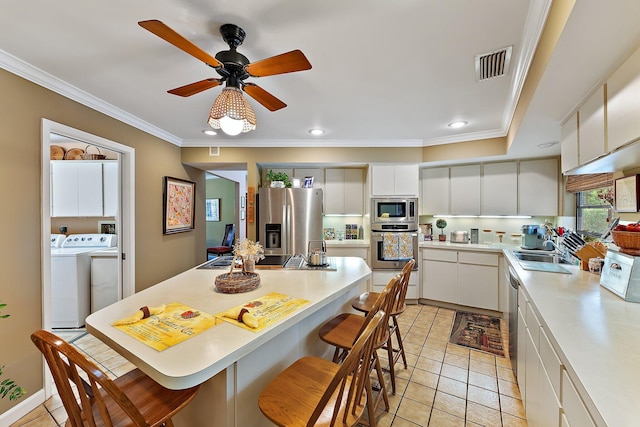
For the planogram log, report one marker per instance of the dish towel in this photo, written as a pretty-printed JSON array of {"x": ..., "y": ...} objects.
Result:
[
  {"x": 390, "y": 245},
  {"x": 405, "y": 246}
]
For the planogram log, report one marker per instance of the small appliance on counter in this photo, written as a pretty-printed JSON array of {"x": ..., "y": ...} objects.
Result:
[
  {"x": 459, "y": 237},
  {"x": 475, "y": 235},
  {"x": 533, "y": 237},
  {"x": 621, "y": 275}
]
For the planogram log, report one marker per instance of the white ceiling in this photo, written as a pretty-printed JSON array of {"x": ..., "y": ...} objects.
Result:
[{"x": 385, "y": 73}]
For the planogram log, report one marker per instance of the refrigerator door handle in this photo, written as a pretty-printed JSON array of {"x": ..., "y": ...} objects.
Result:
[{"x": 286, "y": 228}]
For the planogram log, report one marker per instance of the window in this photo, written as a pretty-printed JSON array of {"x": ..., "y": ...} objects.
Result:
[{"x": 594, "y": 210}]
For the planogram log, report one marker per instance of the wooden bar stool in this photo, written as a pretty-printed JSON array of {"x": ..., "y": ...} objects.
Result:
[
  {"x": 365, "y": 303},
  {"x": 343, "y": 330},
  {"x": 132, "y": 400},
  {"x": 314, "y": 391}
]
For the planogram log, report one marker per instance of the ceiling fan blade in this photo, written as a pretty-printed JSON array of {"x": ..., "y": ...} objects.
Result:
[
  {"x": 263, "y": 97},
  {"x": 280, "y": 64},
  {"x": 193, "y": 88},
  {"x": 164, "y": 32}
]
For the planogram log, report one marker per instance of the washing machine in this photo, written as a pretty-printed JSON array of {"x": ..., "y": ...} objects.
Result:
[{"x": 71, "y": 277}]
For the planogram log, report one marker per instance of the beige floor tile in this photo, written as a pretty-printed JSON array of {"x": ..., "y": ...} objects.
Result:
[
  {"x": 506, "y": 374},
  {"x": 43, "y": 421},
  {"x": 450, "y": 404},
  {"x": 511, "y": 421},
  {"x": 483, "y": 397},
  {"x": 401, "y": 422},
  {"x": 483, "y": 368},
  {"x": 413, "y": 411},
  {"x": 436, "y": 343},
  {"x": 458, "y": 350},
  {"x": 39, "y": 412},
  {"x": 503, "y": 362},
  {"x": 442, "y": 419},
  {"x": 453, "y": 387},
  {"x": 410, "y": 348},
  {"x": 414, "y": 338},
  {"x": 432, "y": 353},
  {"x": 454, "y": 372},
  {"x": 483, "y": 415},
  {"x": 420, "y": 393},
  {"x": 425, "y": 378},
  {"x": 430, "y": 365},
  {"x": 512, "y": 406},
  {"x": 483, "y": 357},
  {"x": 459, "y": 361},
  {"x": 487, "y": 382},
  {"x": 60, "y": 415},
  {"x": 508, "y": 388},
  {"x": 54, "y": 402}
]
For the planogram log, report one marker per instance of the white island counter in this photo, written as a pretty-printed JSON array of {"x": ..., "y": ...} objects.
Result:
[{"x": 232, "y": 363}]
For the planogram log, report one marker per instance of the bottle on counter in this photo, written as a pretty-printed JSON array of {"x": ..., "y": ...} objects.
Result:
[{"x": 360, "y": 233}]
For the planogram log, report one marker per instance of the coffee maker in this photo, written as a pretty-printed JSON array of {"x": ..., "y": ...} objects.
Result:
[{"x": 533, "y": 237}]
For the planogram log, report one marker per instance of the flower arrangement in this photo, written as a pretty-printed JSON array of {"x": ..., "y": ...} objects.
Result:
[{"x": 250, "y": 252}]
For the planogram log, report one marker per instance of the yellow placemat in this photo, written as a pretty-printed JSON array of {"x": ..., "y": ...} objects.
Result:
[
  {"x": 267, "y": 310},
  {"x": 170, "y": 327}
]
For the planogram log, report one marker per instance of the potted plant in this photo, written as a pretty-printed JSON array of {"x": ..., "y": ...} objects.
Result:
[
  {"x": 441, "y": 224},
  {"x": 8, "y": 387},
  {"x": 278, "y": 177}
]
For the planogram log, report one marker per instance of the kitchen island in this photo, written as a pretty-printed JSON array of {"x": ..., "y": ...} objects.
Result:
[{"x": 233, "y": 364}]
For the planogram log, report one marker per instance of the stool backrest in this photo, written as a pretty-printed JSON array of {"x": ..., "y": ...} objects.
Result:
[
  {"x": 398, "y": 304},
  {"x": 72, "y": 371},
  {"x": 348, "y": 385}
]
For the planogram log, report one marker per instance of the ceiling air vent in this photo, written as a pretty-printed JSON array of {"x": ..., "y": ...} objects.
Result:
[
  {"x": 493, "y": 64},
  {"x": 214, "y": 151}
]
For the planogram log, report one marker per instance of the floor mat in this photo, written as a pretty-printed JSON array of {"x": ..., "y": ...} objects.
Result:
[{"x": 477, "y": 331}]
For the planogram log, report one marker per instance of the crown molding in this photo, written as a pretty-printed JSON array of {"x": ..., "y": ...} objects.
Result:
[{"x": 35, "y": 75}]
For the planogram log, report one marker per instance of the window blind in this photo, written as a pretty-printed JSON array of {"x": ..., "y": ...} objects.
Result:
[{"x": 576, "y": 183}]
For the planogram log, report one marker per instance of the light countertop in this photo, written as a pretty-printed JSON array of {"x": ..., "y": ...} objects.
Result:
[
  {"x": 488, "y": 247},
  {"x": 347, "y": 243},
  {"x": 598, "y": 335},
  {"x": 203, "y": 356}
]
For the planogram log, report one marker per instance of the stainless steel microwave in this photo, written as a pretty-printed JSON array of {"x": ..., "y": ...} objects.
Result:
[{"x": 388, "y": 213}]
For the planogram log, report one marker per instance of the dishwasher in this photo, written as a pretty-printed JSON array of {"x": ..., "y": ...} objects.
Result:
[{"x": 514, "y": 283}]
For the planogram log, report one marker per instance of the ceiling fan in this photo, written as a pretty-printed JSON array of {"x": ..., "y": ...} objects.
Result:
[{"x": 233, "y": 67}]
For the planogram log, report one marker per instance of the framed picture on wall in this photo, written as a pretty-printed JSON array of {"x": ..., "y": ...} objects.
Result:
[
  {"x": 626, "y": 194},
  {"x": 213, "y": 209},
  {"x": 178, "y": 205}
]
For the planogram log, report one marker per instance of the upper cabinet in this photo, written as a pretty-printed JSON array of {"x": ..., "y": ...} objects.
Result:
[
  {"x": 623, "y": 103},
  {"x": 538, "y": 187},
  {"x": 78, "y": 188},
  {"x": 344, "y": 191},
  {"x": 435, "y": 192},
  {"x": 500, "y": 189},
  {"x": 395, "y": 180},
  {"x": 527, "y": 187},
  {"x": 465, "y": 190},
  {"x": 591, "y": 130},
  {"x": 569, "y": 144}
]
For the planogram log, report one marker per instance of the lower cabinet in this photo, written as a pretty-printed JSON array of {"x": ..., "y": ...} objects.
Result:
[
  {"x": 382, "y": 278},
  {"x": 349, "y": 252},
  {"x": 548, "y": 393},
  {"x": 461, "y": 277}
]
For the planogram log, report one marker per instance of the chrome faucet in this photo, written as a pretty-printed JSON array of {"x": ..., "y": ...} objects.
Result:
[{"x": 553, "y": 244}]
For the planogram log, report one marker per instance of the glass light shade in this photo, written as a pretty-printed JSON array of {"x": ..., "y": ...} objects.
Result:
[{"x": 232, "y": 113}]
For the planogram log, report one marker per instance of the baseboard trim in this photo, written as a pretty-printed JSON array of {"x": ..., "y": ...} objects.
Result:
[{"x": 23, "y": 408}]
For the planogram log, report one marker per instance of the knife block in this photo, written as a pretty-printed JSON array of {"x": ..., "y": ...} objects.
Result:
[{"x": 586, "y": 253}]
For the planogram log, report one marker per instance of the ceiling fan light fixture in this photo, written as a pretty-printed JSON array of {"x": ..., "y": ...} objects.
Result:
[{"x": 232, "y": 113}]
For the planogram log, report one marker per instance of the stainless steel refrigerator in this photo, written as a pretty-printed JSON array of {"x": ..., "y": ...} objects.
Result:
[{"x": 288, "y": 218}]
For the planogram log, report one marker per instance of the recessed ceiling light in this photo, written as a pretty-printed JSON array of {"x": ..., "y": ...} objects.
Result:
[
  {"x": 316, "y": 132},
  {"x": 458, "y": 124},
  {"x": 209, "y": 132},
  {"x": 547, "y": 144}
]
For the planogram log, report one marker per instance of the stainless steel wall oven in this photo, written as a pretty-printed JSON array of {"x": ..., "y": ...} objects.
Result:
[{"x": 391, "y": 249}]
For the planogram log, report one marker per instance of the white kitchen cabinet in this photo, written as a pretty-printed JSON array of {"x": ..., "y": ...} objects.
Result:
[
  {"x": 538, "y": 187},
  {"x": 382, "y": 278},
  {"x": 110, "y": 188},
  {"x": 465, "y": 190},
  {"x": 460, "y": 277},
  {"x": 591, "y": 129},
  {"x": 500, "y": 188},
  {"x": 76, "y": 188},
  {"x": 435, "y": 191},
  {"x": 575, "y": 411},
  {"x": 569, "y": 144},
  {"x": 532, "y": 372},
  {"x": 395, "y": 180},
  {"x": 522, "y": 354},
  {"x": 336, "y": 251},
  {"x": 623, "y": 103},
  {"x": 344, "y": 191}
]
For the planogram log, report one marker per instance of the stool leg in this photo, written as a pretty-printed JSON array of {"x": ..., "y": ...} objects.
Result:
[
  {"x": 392, "y": 370},
  {"x": 399, "y": 338}
]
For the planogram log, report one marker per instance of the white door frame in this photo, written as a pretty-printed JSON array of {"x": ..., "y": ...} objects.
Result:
[{"x": 125, "y": 221}]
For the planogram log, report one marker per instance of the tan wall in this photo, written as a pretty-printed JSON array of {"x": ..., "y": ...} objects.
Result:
[{"x": 22, "y": 106}]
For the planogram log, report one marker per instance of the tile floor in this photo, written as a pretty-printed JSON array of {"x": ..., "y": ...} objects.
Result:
[{"x": 444, "y": 385}]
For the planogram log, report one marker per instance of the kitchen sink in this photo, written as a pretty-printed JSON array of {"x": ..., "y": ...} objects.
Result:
[{"x": 553, "y": 257}]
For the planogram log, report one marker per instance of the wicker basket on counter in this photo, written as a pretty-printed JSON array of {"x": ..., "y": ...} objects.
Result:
[
  {"x": 235, "y": 283},
  {"x": 627, "y": 241}
]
